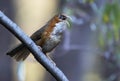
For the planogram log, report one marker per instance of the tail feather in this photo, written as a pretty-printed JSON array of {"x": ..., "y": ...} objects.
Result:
[{"x": 19, "y": 53}]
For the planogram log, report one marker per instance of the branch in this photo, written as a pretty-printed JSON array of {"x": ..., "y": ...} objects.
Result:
[{"x": 39, "y": 56}]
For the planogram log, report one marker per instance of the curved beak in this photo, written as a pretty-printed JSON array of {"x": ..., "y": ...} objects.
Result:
[{"x": 69, "y": 22}]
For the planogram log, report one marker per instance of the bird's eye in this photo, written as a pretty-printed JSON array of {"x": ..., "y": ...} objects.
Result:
[{"x": 62, "y": 17}]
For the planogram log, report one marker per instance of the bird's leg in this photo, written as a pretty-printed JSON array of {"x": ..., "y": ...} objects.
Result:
[
  {"x": 40, "y": 48},
  {"x": 51, "y": 60},
  {"x": 48, "y": 57}
]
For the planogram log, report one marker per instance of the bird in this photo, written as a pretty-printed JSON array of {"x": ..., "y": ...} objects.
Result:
[{"x": 47, "y": 37}]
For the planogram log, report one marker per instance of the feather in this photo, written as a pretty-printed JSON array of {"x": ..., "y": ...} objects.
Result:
[{"x": 19, "y": 53}]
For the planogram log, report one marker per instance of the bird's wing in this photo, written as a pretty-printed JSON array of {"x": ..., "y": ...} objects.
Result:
[{"x": 37, "y": 35}]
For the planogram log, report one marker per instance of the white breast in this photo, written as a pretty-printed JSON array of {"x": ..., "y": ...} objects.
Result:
[{"x": 58, "y": 29}]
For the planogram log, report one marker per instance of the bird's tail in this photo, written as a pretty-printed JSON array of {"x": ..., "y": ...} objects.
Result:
[{"x": 19, "y": 53}]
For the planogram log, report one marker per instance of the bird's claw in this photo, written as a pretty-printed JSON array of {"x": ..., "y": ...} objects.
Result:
[
  {"x": 39, "y": 47},
  {"x": 51, "y": 61}
]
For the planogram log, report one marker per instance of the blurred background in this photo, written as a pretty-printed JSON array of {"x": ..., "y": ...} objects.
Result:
[{"x": 90, "y": 50}]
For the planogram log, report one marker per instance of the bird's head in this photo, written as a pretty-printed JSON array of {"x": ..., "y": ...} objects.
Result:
[
  {"x": 66, "y": 19},
  {"x": 62, "y": 17},
  {"x": 60, "y": 23}
]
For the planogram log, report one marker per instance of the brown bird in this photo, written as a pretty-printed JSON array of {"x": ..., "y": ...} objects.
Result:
[{"x": 47, "y": 37}]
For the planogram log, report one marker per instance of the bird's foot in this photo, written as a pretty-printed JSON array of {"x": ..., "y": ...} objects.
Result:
[
  {"x": 51, "y": 61},
  {"x": 39, "y": 47}
]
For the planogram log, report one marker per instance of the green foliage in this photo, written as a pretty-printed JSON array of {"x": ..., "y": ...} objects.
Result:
[
  {"x": 112, "y": 15},
  {"x": 88, "y": 1},
  {"x": 111, "y": 20}
]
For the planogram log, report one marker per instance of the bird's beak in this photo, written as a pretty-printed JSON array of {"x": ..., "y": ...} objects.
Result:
[{"x": 69, "y": 22}]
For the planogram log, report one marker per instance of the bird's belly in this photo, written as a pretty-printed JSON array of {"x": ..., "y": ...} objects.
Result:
[{"x": 50, "y": 43}]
